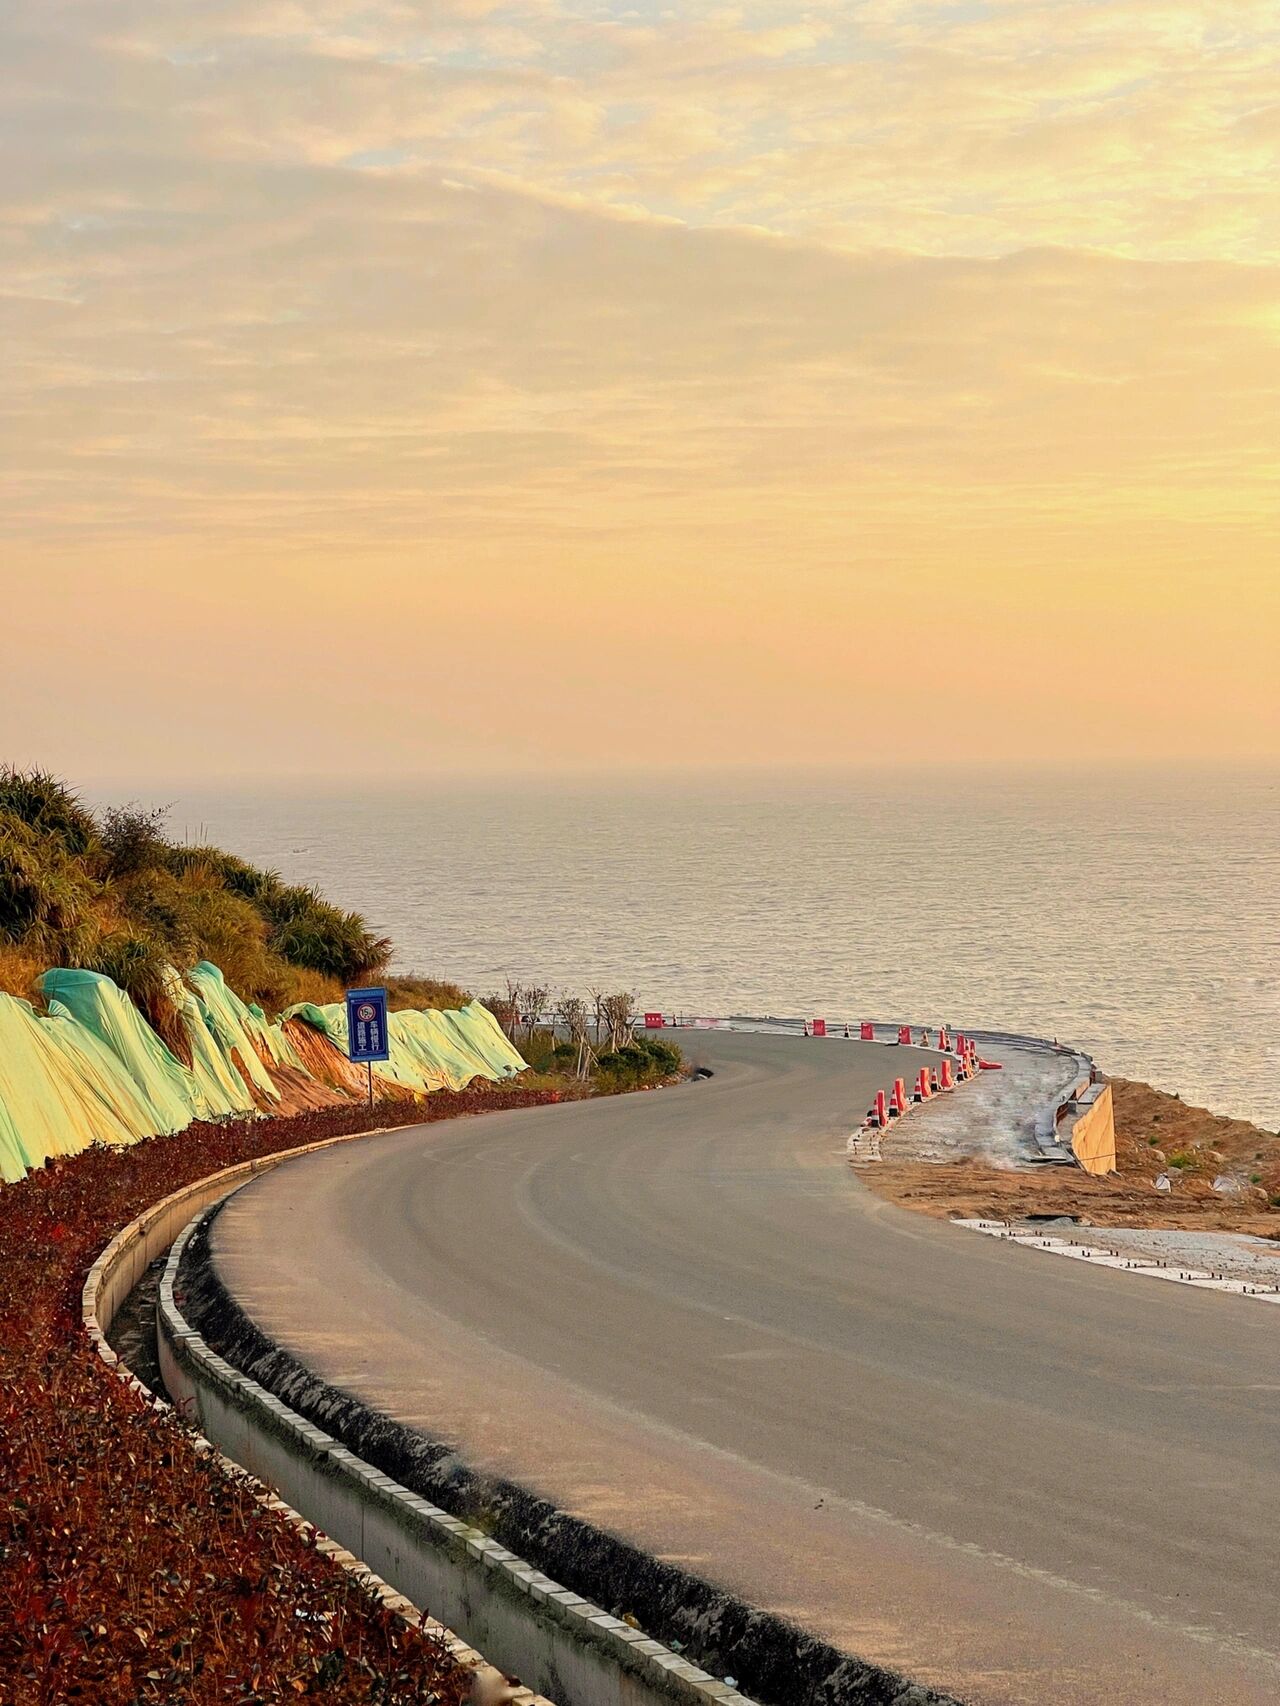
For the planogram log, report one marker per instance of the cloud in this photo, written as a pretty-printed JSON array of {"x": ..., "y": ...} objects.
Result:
[
  {"x": 837, "y": 337},
  {"x": 263, "y": 344},
  {"x": 981, "y": 128}
]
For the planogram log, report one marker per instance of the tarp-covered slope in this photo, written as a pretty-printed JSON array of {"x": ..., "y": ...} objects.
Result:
[
  {"x": 92, "y": 1070},
  {"x": 430, "y": 1050}
]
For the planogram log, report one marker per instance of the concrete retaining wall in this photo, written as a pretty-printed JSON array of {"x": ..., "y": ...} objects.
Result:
[{"x": 1093, "y": 1129}]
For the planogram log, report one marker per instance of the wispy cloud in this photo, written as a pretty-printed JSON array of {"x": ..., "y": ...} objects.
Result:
[{"x": 949, "y": 291}]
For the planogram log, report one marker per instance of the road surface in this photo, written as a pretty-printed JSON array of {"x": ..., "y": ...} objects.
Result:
[{"x": 682, "y": 1317}]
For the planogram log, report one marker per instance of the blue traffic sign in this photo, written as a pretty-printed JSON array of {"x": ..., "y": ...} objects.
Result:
[{"x": 367, "y": 1025}]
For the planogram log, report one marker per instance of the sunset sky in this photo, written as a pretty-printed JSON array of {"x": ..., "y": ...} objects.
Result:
[{"x": 585, "y": 384}]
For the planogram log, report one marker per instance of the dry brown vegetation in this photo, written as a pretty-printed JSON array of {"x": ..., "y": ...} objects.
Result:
[
  {"x": 422, "y": 992},
  {"x": 133, "y": 1570},
  {"x": 109, "y": 892}
]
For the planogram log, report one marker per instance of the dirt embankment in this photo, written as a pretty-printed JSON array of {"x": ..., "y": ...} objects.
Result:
[{"x": 1158, "y": 1136}]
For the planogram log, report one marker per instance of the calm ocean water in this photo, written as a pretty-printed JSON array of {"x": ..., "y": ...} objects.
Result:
[{"x": 1136, "y": 915}]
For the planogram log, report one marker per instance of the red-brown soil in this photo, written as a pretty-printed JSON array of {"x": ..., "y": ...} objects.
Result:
[{"x": 134, "y": 1571}]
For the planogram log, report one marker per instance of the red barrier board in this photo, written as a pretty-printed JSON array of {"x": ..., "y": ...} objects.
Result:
[
  {"x": 819, "y": 1027},
  {"x": 653, "y": 1021}
]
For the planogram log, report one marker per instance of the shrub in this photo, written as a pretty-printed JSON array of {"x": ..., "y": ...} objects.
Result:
[
  {"x": 304, "y": 985},
  {"x": 641, "y": 1061},
  {"x": 665, "y": 1056},
  {"x": 424, "y": 992},
  {"x": 114, "y": 895},
  {"x": 140, "y": 964},
  {"x": 133, "y": 839},
  {"x": 324, "y": 939},
  {"x": 19, "y": 969}
]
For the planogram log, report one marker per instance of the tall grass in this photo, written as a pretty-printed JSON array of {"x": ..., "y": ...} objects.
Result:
[{"x": 111, "y": 893}]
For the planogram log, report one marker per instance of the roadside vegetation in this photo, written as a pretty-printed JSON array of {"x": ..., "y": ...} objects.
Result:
[
  {"x": 134, "y": 1571},
  {"x": 111, "y": 892},
  {"x": 589, "y": 1041}
]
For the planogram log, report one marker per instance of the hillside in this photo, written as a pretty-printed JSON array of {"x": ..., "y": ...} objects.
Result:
[{"x": 110, "y": 892}]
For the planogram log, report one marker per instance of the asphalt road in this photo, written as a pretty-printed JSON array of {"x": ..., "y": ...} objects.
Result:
[{"x": 681, "y": 1316}]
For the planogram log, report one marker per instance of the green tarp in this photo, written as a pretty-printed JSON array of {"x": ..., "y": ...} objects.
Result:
[
  {"x": 430, "y": 1050},
  {"x": 92, "y": 1070},
  {"x": 234, "y": 1026},
  {"x": 106, "y": 1012}
]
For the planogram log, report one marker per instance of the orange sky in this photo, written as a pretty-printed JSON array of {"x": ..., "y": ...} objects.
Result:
[{"x": 586, "y": 384}]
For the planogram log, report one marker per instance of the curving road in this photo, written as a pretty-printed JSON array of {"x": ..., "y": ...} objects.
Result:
[{"x": 682, "y": 1317}]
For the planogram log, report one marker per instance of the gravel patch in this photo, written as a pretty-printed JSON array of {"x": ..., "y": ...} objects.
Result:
[{"x": 1235, "y": 1255}]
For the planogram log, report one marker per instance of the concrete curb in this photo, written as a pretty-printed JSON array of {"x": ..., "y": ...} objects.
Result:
[
  {"x": 535, "y": 1627},
  {"x": 127, "y": 1257},
  {"x": 114, "y": 1275},
  {"x": 1102, "y": 1255}
]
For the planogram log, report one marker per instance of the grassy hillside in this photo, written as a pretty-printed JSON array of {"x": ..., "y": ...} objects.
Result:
[{"x": 110, "y": 892}]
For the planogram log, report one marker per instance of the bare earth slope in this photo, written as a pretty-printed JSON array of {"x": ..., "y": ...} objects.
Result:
[
  {"x": 1157, "y": 1135},
  {"x": 683, "y": 1317}
]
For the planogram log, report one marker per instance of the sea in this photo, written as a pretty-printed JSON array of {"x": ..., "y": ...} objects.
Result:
[{"x": 1135, "y": 914}]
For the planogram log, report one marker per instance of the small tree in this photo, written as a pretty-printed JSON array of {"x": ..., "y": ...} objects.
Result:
[
  {"x": 514, "y": 996},
  {"x": 576, "y": 1017},
  {"x": 535, "y": 997},
  {"x": 619, "y": 1013},
  {"x": 503, "y": 1011}
]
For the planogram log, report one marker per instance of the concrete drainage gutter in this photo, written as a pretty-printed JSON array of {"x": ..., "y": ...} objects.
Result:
[
  {"x": 115, "y": 1274},
  {"x": 414, "y": 1497},
  {"x": 524, "y": 1621},
  {"x": 409, "y": 1553}
]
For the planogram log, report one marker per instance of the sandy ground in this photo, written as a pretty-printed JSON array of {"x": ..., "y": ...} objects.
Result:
[{"x": 1222, "y": 1173}]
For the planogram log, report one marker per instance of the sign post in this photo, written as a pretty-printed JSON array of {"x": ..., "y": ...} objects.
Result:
[{"x": 367, "y": 1038}]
